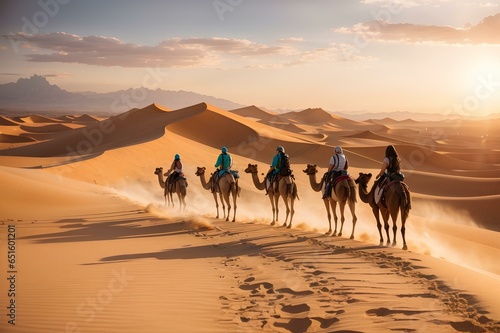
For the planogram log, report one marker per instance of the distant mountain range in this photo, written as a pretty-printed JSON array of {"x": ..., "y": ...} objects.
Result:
[{"x": 36, "y": 93}]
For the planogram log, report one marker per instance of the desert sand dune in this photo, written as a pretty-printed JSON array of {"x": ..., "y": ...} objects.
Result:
[
  {"x": 253, "y": 111},
  {"x": 85, "y": 119},
  {"x": 101, "y": 253},
  {"x": 50, "y": 128},
  {"x": 370, "y": 135},
  {"x": 39, "y": 119},
  {"x": 94, "y": 138},
  {"x": 484, "y": 157},
  {"x": 483, "y": 210},
  {"x": 311, "y": 116},
  {"x": 8, "y": 138},
  {"x": 6, "y": 121},
  {"x": 446, "y": 185}
]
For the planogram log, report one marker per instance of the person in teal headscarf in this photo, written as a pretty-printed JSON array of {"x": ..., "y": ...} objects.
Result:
[
  {"x": 277, "y": 164},
  {"x": 224, "y": 162}
]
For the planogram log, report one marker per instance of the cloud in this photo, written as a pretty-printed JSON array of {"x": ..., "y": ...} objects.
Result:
[
  {"x": 400, "y": 3},
  {"x": 483, "y": 4},
  {"x": 485, "y": 32},
  {"x": 109, "y": 51},
  {"x": 175, "y": 52},
  {"x": 291, "y": 40}
]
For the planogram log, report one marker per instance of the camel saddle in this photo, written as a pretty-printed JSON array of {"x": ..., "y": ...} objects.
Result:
[
  {"x": 171, "y": 180},
  {"x": 381, "y": 189},
  {"x": 337, "y": 177},
  {"x": 231, "y": 174},
  {"x": 288, "y": 179}
]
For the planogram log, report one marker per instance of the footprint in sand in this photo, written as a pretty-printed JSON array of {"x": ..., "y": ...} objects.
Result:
[
  {"x": 255, "y": 286},
  {"x": 296, "y": 308},
  {"x": 295, "y": 293},
  {"x": 295, "y": 325},
  {"x": 382, "y": 312}
]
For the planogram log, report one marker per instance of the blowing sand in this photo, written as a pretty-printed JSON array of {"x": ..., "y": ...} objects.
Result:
[{"x": 92, "y": 247}]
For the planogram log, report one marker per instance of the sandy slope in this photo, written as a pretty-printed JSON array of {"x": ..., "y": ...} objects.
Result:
[{"x": 98, "y": 252}]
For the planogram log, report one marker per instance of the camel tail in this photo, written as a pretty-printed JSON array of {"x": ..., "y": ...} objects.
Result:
[
  {"x": 351, "y": 194},
  {"x": 405, "y": 201},
  {"x": 296, "y": 192}
]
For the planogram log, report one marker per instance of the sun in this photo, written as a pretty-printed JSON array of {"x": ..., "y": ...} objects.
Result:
[{"x": 481, "y": 84}]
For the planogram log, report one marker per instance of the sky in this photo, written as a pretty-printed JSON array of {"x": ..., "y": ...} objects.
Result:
[{"x": 424, "y": 56}]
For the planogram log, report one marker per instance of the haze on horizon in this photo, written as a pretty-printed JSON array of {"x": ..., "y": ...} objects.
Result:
[{"x": 369, "y": 55}]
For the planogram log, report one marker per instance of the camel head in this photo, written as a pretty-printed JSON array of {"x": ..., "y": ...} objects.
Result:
[
  {"x": 158, "y": 171},
  {"x": 252, "y": 168},
  {"x": 200, "y": 171},
  {"x": 311, "y": 169},
  {"x": 363, "y": 178}
]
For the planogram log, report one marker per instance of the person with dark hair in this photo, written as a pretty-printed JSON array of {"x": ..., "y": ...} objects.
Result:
[{"x": 390, "y": 165}]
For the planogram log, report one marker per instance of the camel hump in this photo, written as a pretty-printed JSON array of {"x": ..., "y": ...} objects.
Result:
[
  {"x": 230, "y": 177},
  {"x": 288, "y": 179}
]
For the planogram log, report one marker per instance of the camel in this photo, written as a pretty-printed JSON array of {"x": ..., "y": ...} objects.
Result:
[
  {"x": 180, "y": 187},
  {"x": 396, "y": 199},
  {"x": 275, "y": 196},
  {"x": 343, "y": 194},
  {"x": 225, "y": 190}
]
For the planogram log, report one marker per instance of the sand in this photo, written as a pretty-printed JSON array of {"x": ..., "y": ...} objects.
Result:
[{"x": 94, "y": 249}]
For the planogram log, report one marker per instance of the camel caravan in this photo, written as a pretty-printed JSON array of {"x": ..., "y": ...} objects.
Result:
[{"x": 388, "y": 197}]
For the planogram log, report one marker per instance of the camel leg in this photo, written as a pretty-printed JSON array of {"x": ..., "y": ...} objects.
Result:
[
  {"x": 182, "y": 197},
  {"x": 276, "y": 201},
  {"x": 342, "y": 216},
  {"x": 327, "y": 206},
  {"x": 394, "y": 216},
  {"x": 183, "y": 203},
  {"x": 385, "y": 217},
  {"x": 171, "y": 198},
  {"x": 285, "y": 199},
  {"x": 235, "y": 194},
  {"x": 228, "y": 209},
  {"x": 376, "y": 213},
  {"x": 223, "y": 205},
  {"x": 178, "y": 192},
  {"x": 225, "y": 201},
  {"x": 403, "y": 229},
  {"x": 271, "y": 199},
  {"x": 333, "y": 203},
  {"x": 352, "y": 208},
  {"x": 292, "y": 211},
  {"x": 216, "y": 204}
]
